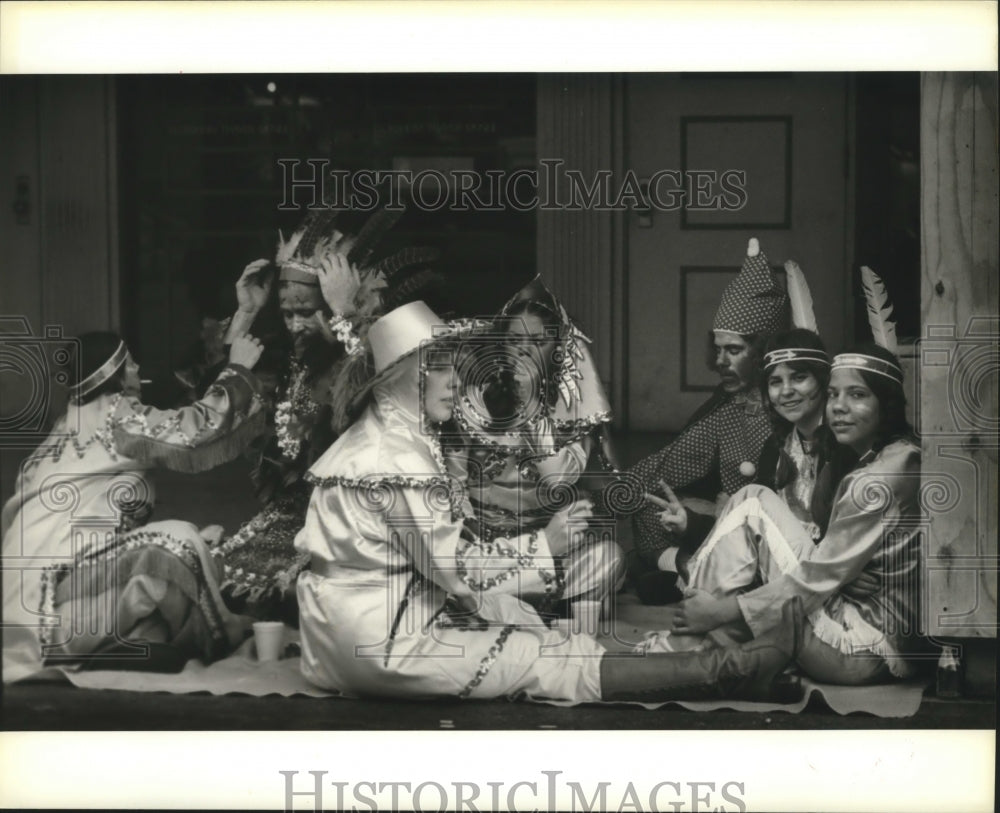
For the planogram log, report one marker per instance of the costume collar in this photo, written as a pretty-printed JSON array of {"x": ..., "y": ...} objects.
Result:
[{"x": 574, "y": 402}]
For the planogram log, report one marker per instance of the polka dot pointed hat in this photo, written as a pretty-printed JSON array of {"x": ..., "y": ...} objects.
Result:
[{"x": 754, "y": 302}]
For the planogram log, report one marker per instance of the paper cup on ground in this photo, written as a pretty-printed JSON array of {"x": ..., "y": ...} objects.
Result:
[
  {"x": 268, "y": 635},
  {"x": 586, "y": 617}
]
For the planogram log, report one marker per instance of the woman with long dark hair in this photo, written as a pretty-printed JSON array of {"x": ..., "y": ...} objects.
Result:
[
  {"x": 859, "y": 583},
  {"x": 716, "y": 452},
  {"x": 801, "y": 460},
  {"x": 327, "y": 275},
  {"x": 530, "y": 434}
]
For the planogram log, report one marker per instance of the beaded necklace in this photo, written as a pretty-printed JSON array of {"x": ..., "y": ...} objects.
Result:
[{"x": 298, "y": 403}]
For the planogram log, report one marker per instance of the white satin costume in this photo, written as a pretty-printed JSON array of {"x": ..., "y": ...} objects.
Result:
[
  {"x": 401, "y": 600},
  {"x": 81, "y": 574}
]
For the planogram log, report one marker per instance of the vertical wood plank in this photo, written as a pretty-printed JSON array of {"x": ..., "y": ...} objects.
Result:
[
  {"x": 73, "y": 140},
  {"x": 20, "y": 282},
  {"x": 57, "y": 268},
  {"x": 114, "y": 223},
  {"x": 20, "y": 289},
  {"x": 958, "y": 354},
  {"x": 574, "y": 247}
]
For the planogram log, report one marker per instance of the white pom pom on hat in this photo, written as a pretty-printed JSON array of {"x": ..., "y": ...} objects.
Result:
[{"x": 753, "y": 247}]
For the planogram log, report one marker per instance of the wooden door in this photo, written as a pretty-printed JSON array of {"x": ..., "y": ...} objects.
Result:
[
  {"x": 58, "y": 276},
  {"x": 788, "y": 134}
]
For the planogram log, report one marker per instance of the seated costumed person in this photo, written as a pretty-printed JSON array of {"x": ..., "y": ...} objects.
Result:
[
  {"x": 719, "y": 446},
  {"x": 859, "y": 585},
  {"x": 325, "y": 273},
  {"x": 529, "y": 427},
  {"x": 401, "y": 600},
  {"x": 83, "y": 576},
  {"x": 801, "y": 460}
]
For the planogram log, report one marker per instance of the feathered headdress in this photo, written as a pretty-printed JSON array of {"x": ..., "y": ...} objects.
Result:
[
  {"x": 367, "y": 287},
  {"x": 800, "y": 298},
  {"x": 879, "y": 310},
  {"x": 883, "y": 332},
  {"x": 370, "y": 287},
  {"x": 300, "y": 258}
]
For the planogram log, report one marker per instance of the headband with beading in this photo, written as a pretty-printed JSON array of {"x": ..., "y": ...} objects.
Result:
[
  {"x": 873, "y": 364},
  {"x": 786, "y": 354},
  {"x": 101, "y": 374}
]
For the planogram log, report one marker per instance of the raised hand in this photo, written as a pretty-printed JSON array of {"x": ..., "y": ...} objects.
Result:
[
  {"x": 245, "y": 350},
  {"x": 253, "y": 286},
  {"x": 339, "y": 281},
  {"x": 673, "y": 517}
]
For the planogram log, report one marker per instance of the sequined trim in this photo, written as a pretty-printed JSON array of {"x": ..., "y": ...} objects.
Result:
[
  {"x": 583, "y": 424},
  {"x": 54, "y": 575},
  {"x": 487, "y": 662},
  {"x": 260, "y": 559},
  {"x": 343, "y": 328},
  {"x": 298, "y": 403},
  {"x": 211, "y": 417},
  {"x": 103, "y": 435},
  {"x": 515, "y": 524},
  {"x": 493, "y": 548},
  {"x": 503, "y": 445},
  {"x": 51, "y": 577},
  {"x": 455, "y": 489},
  {"x": 404, "y": 480},
  {"x": 495, "y": 439}
]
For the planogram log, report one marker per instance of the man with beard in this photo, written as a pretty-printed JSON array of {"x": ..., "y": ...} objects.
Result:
[
  {"x": 324, "y": 269},
  {"x": 717, "y": 450}
]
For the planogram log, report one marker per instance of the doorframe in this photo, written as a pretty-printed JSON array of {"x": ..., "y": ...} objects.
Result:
[
  {"x": 115, "y": 225},
  {"x": 850, "y": 204},
  {"x": 619, "y": 260}
]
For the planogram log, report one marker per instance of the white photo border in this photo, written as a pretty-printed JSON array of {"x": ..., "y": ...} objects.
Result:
[{"x": 787, "y": 770}]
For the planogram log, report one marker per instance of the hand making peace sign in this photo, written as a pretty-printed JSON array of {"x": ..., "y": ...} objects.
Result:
[{"x": 673, "y": 517}]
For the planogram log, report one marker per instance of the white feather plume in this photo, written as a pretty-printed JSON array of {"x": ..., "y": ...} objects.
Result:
[
  {"x": 287, "y": 249},
  {"x": 799, "y": 297},
  {"x": 879, "y": 310}
]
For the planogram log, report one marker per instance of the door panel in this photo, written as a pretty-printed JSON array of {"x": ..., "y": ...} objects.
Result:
[{"x": 787, "y": 133}]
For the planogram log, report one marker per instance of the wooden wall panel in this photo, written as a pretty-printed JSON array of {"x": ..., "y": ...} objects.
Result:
[
  {"x": 77, "y": 220},
  {"x": 20, "y": 284},
  {"x": 665, "y": 115},
  {"x": 59, "y": 266},
  {"x": 958, "y": 354},
  {"x": 21, "y": 408},
  {"x": 575, "y": 249}
]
